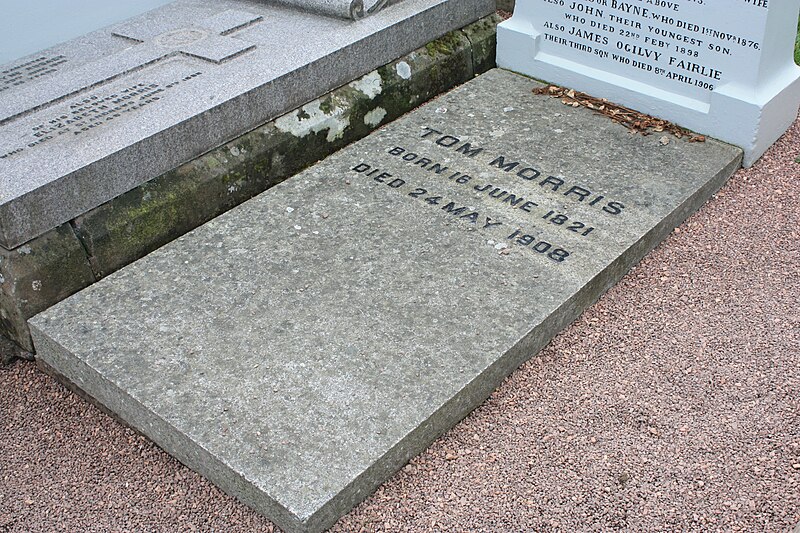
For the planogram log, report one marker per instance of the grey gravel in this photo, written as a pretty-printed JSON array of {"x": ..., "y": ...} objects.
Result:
[{"x": 672, "y": 404}]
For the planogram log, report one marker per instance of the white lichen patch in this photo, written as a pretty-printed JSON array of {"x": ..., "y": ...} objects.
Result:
[
  {"x": 235, "y": 151},
  {"x": 370, "y": 85},
  {"x": 36, "y": 285},
  {"x": 311, "y": 119},
  {"x": 403, "y": 70},
  {"x": 374, "y": 117},
  {"x": 24, "y": 250}
]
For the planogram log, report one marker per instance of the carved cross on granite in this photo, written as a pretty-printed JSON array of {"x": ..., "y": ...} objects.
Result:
[{"x": 207, "y": 40}]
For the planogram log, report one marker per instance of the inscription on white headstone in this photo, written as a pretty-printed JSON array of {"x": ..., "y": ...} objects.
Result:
[
  {"x": 721, "y": 67},
  {"x": 657, "y": 40}
]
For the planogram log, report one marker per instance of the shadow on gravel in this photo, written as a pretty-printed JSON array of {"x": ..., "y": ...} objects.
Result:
[{"x": 10, "y": 352}]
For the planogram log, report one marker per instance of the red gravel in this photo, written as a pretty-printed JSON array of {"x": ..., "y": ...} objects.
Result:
[{"x": 672, "y": 404}]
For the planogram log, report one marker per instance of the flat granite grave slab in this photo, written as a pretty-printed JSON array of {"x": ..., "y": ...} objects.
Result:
[
  {"x": 301, "y": 348},
  {"x": 84, "y": 122}
]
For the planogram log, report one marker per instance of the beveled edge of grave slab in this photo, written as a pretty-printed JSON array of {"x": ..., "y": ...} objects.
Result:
[
  {"x": 63, "y": 180},
  {"x": 323, "y": 300}
]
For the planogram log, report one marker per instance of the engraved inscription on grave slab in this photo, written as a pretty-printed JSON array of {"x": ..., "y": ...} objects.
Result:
[
  {"x": 721, "y": 67},
  {"x": 207, "y": 41},
  {"x": 94, "y": 100},
  {"x": 95, "y": 109},
  {"x": 508, "y": 198},
  {"x": 69, "y": 111},
  {"x": 31, "y": 70}
]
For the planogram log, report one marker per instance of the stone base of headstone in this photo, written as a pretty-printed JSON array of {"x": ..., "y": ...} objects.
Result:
[
  {"x": 52, "y": 266},
  {"x": 302, "y": 347}
]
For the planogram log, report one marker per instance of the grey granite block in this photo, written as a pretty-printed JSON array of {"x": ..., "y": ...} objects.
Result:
[
  {"x": 300, "y": 348},
  {"x": 118, "y": 107}
]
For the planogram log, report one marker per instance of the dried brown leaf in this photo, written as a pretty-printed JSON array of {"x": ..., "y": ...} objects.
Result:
[{"x": 632, "y": 119}]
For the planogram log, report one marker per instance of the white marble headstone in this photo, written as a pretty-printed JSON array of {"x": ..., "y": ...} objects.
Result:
[{"x": 724, "y": 68}]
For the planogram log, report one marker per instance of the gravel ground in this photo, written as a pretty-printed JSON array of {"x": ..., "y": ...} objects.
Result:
[{"x": 672, "y": 404}]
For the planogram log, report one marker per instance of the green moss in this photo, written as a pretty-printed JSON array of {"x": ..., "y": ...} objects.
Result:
[
  {"x": 327, "y": 105},
  {"x": 233, "y": 177},
  {"x": 483, "y": 37},
  {"x": 211, "y": 162},
  {"x": 444, "y": 45},
  {"x": 797, "y": 45},
  {"x": 146, "y": 221}
]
